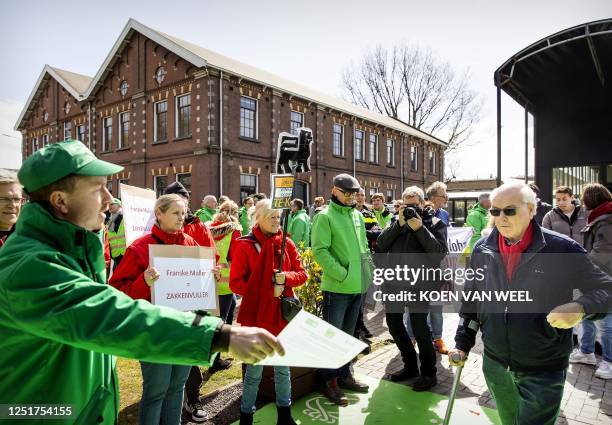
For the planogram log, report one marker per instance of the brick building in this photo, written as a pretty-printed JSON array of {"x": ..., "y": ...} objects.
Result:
[{"x": 160, "y": 106}]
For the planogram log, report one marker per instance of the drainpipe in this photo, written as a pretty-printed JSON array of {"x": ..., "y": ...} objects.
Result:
[
  {"x": 221, "y": 133},
  {"x": 402, "y": 162},
  {"x": 89, "y": 127}
]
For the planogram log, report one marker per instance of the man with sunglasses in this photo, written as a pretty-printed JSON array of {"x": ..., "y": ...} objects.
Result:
[
  {"x": 11, "y": 199},
  {"x": 527, "y": 345},
  {"x": 340, "y": 246}
]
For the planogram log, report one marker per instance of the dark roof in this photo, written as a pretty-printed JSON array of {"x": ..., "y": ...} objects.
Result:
[{"x": 577, "y": 58}]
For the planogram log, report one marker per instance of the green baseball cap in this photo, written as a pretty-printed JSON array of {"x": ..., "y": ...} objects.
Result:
[
  {"x": 116, "y": 202},
  {"x": 56, "y": 161}
]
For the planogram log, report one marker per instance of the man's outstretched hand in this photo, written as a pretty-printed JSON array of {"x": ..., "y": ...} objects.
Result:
[
  {"x": 252, "y": 345},
  {"x": 566, "y": 316}
]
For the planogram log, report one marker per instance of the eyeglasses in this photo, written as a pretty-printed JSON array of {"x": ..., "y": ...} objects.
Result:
[
  {"x": 508, "y": 212},
  {"x": 348, "y": 194},
  {"x": 6, "y": 201}
]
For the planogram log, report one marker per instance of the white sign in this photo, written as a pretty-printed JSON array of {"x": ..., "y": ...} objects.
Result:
[
  {"x": 138, "y": 211},
  {"x": 458, "y": 238},
  {"x": 312, "y": 342},
  {"x": 184, "y": 284}
]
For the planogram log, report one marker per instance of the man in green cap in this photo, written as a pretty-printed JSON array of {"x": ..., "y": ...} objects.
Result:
[{"x": 61, "y": 325}]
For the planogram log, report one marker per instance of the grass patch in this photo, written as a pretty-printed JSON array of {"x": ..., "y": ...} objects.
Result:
[{"x": 130, "y": 386}]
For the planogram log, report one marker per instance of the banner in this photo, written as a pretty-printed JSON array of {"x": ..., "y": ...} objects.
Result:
[
  {"x": 458, "y": 239},
  {"x": 282, "y": 190},
  {"x": 138, "y": 211},
  {"x": 186, "y": 280}
]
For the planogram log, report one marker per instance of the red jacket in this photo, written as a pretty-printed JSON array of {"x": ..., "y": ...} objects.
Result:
[
  {"x": 128, "y": 277},
  {"x": 107, "y": 255},
  {"x": 259, "y": 307},
  {"x": 200, "y": 233}
]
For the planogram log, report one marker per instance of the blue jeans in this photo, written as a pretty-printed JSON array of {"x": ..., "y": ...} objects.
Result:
[
  {"x": 524, "y": 398},
  {"x": 252, "y": 378},
  {"x": 340, "y": 310},
  {"x": 162, "y": 393},
  {"x": 435, "y": 320},
  {"x": 589, "y": 331}
]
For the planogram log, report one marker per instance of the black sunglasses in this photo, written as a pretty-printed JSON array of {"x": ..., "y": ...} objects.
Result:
[{"x": 510, "y": 211}]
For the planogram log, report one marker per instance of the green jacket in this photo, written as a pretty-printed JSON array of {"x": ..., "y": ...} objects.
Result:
[
  {"x": 206, "y": 214},
  {"x": 299, "y": 227},
  {"x": 383, "y": 217},
  {"x": 340, "y": 247},
  {"x": 477, "y": 219},
  {"x": 61, "y": 324},
  {"x": 243, "y": 215}
]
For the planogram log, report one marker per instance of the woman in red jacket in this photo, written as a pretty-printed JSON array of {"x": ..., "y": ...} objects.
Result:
[
  {"x": 162, "y": 384},
  {"x": 254, "y": 275}
]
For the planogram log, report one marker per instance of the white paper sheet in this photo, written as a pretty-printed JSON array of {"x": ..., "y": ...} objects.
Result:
[
  {"x": 184, "y": 284},
  {"x": 312, "y": 342}
]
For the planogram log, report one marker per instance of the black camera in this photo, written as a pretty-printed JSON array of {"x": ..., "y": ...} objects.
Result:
[{"x": 411, "y": 211}]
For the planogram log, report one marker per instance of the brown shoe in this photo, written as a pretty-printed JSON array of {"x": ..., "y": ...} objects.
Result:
[
  {"x": 333, "y": 393},
  {"x": 349, "y": 383}
]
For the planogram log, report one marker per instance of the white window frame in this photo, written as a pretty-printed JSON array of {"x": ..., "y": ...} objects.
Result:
[
  {"x": 176, "y": 116},
  {"x": 375, "y": 136},
  {"x": 392, "y": 162},
  {"x": 66, "y": 124},
  {"x": 249, "y": 174},
  {"x": 291, "y": 121},
  {"x": 341, "y": 139},
  {"x": 105, "y": 145},
  {"x": 120, "y": 141},
  {"x": 362, "y": 147},
  {"x": 256, "y": 117},
  {"x": 34, "y": 145},
  {"x": 155, "y": 138},
  {"x": 78, "y": 132},
  {"x": 45, "y": 140},
  {"x": 416, "y": 158},
  {"x": 432, "y": 161},
  {"x": 392, "y": 195},
  {"x": 176, "y": 178}
]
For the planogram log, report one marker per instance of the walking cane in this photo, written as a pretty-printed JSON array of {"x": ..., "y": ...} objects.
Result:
[{"x": 456, "y": 357}]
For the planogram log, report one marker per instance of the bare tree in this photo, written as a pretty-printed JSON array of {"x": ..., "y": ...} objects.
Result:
[{"x": 415, "y": 86}]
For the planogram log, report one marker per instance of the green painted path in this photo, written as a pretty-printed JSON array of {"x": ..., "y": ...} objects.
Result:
[{"x": 387, "y": 403}]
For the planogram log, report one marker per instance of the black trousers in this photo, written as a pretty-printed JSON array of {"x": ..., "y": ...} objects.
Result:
[{"x": 422, "y": 334}]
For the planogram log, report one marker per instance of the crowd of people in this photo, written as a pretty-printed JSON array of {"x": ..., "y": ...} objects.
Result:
[{"x": 72, "y": 294}]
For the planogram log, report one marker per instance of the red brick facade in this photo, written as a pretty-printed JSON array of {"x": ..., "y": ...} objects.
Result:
[{"x": 198, "y": 152}]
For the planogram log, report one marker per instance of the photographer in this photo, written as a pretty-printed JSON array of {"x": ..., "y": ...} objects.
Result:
[{"x": 414, "y": 231}]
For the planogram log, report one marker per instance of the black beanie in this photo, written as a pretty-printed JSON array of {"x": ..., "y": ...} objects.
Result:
[{"x": 178, "y": 188}]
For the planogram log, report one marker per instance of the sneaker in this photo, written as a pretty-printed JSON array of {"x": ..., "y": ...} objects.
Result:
[
  {"x": 424, "y": 383},
  {"x": 197, "y": 412},
  {"x": 604, "y": 371},
  {"x": 578, "y": 356},
  {"x": 351, "y": 384},
  {"x": 439, "y": 346},
  {"x": 333, "y": 393},
  {"x": 403, "y": 375}
]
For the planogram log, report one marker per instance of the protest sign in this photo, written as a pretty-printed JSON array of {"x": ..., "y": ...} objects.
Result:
[
  {"x": 138, "y": 211},
  {"x": 282, "y": 190}
]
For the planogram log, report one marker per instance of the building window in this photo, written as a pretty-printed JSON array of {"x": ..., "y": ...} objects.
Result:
[
  {"x": 185, "y": 180},
  {"x": 107, "y": 133},
  {"x": 359, "y": 145},
  {"x": 34, "y": 144},
  {"x": 81, "y": 133},
  {"x": 67, "y": 130},
  {"x": 373, "y": 148},
  {"x": 123, "y": 87},
  {"x": 45, "y": 140},
  {"x": 160, "y": 74},
  {"x": 390, "y": 196},
  {"x": 371, "y": 192},
  {"x": 432, "y": 161},
  {"x": 183, "y": 116},
  {"x": 248, "y": 185},
  {"x": 109, "y": 186},
  {"x": 338, "y": 142},
  {"x": 124, "y": 130},
  {"x": 248, "y": 117},
  {"x": 297, "y": 121},
  {"x": 159, "y": 184},
  {"x": 391, "y": 152},
  {"x": 161, "y": 121},
  {"x": 413, "y": 158}
]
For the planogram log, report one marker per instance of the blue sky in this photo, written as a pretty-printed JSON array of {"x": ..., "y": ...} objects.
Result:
[{"x": 309, "y": 42}]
